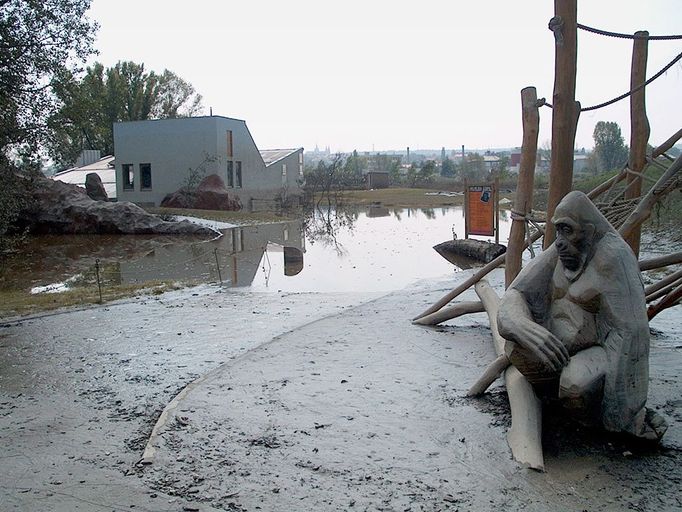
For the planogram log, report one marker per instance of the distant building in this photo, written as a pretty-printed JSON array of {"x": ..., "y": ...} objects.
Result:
[
  {"x": 155, "y": 158},
  {"x": 104, "y": 167}
]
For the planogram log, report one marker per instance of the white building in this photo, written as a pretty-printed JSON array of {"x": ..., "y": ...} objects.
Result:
[
  {"x": 103, "y": 166},
  {"x": 155, "y": 158}
]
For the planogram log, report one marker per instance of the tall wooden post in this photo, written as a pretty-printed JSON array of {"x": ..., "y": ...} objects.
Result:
[
  {"x": 523, "y": 202},
  {"x": 639, "y": 125},
  {"x": 565, "y": 110}
]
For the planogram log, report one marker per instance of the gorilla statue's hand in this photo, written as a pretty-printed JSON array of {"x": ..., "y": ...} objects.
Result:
[{"x": 546, "y": 347}]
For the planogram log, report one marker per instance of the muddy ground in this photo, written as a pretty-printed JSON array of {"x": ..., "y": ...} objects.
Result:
[{"x": 309, "y": 402}]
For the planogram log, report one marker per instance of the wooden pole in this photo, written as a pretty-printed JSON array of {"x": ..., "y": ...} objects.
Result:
[
  {"x": 525, "y": 434},
  {"x": 667, "y": 144},
  {"x": 565, "y": 112},
  {"x": 466, "y": 206},
  {"x": 643, "y": 210},
  {"x": 660, "y": 261},
  {"x": 496, "y": 196},
  {"x": 459, "y": 309},
  {"x": 523, "y": 202},
  {"x": 639, "y": 126}
]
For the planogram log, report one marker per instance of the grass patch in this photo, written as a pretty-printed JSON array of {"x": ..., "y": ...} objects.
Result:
[
  {"x": 239, "y": 218},
  {"x": 20, "y": 303},
  {"x": 405, "y": 197}
]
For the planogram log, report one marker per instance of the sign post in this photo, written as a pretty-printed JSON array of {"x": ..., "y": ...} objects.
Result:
[{"x": 481, "y": 210}]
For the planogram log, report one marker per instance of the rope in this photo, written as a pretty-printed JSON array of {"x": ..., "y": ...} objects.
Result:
[
  {"x": 528, "y": 219},
  {"x": 542, "y": 103},
  {"x": 627, "y": 36}
]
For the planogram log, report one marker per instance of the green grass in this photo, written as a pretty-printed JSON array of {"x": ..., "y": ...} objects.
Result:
[
  {"x": 405, "y": 197},
  {"x": 20, "y": 303}
]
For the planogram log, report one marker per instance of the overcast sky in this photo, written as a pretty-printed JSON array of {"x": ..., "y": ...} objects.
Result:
[{"x": 364, "y": 74}]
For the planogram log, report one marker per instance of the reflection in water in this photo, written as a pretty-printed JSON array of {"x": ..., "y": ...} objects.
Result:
[
  {"x": 345, "y": 250},
  {"x": 234, "y": 257}
]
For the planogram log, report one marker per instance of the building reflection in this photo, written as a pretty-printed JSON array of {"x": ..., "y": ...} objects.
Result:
[{"x": 234, "y": 258}]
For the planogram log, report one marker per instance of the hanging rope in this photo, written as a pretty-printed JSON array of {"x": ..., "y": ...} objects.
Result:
[
  {"x": 627, "y": 36},
  {"x": 543, "y": 103}
]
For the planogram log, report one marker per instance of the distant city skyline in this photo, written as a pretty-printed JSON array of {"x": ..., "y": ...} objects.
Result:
[{"x": 383, "y": 75}]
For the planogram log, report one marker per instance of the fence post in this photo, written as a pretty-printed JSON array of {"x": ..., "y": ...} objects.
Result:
[
  {"x": 639, "y": 126},
  {"x": 99, "y": 284},
  {"x": 217, "y": 264},
  {"x": 523, "y": 201},
  {"x": 565, "y": 110}
]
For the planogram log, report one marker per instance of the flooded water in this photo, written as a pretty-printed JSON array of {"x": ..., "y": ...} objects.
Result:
[{"x": 375, "y": 249}]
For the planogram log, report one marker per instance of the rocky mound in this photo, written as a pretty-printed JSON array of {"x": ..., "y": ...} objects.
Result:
[
  {"x": 95, "y": 188},
  {"x": 62, "y": 208},
  {"x": 211, "y": 194}
]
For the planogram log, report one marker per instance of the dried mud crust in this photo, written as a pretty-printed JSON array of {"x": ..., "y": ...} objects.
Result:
[{"x": 361, "y": 412}]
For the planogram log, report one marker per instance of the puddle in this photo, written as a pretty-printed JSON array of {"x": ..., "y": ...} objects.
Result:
[{"x": 375, "y": 249}]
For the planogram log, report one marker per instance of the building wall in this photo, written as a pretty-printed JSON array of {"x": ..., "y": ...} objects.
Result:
[
  {"x": 291, "y": 181},
  {"x": 173, "y": 146}
]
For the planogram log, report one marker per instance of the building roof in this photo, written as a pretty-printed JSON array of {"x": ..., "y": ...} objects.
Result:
[
  {"x": 104, "y": 167},
  {"x": 270, "y": 156}
]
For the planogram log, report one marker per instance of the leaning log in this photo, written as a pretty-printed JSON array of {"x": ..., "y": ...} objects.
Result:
[
  {"x": 660, "y": 261},
  {"x": 525, "y": 434},
  {"x": 670, "y": 300},
  {"x": 471, "y": 281},
  {"x": 474, "y": 249},
  {"x": 459, "y": 309}
]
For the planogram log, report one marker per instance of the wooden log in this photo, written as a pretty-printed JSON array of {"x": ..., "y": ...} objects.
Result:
[
  {"x": 670, "y": 300},
  {"x": 652, "y": 288},
  {"x": 484, "y": 271},
  {"x": 469, "y": 248},
  {"x": 667, "y": 144},
  {"x": 490, "y": 375},
  {"x": 565, "y": 111},
  {"x": 643, "y": 210},
  {"x": 663, "y": 291},
  {"x": 639, "y": 127},
  {"x": 525, "y": 435},
  {"x": 660, "y": 261},
  {"x": 523, "y": 202},
  {"x": 599, "y": 190},
  {"x": 459, "y": 309}
]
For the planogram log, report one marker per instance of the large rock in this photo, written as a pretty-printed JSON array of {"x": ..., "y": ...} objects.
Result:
[
  {"x": 63, "y": 208},
  {"x": 95, "y": 188},
  {"x": 211, "y": 194}
]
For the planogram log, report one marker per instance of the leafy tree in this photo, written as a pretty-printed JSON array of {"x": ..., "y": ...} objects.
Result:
[
  {"x": 125, "y": 92},
  {"x": 447, "y": 167},
  {"x": 40, "y": 41},
  {"x": 610, "y": 150},
  {"x": 473, "y": 168}
]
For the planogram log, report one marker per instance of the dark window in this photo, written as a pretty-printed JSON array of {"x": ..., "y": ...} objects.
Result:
[
  {"x": 229, "y": 143},
  {"x": 145, "y": 176},
  {"x": 238, "y": 173},
  {"x": 230, "y": 174},
  {"x": 127, "y": 175}
]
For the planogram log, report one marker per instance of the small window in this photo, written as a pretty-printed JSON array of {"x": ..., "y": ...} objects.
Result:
[
  {"x": 238, "y": 175},
  {"x": 128, "y": 176},
  {"x": 230, "y": 174},
  {"x": 145, "y": 176},
  {"x": 300, "y": 163},
  {"x": 229, "y": 143},
  {"x": 284, "y": 170}
]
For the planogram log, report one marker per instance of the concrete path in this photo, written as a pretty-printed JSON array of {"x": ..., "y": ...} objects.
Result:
[{"x": 364, "y": 411}]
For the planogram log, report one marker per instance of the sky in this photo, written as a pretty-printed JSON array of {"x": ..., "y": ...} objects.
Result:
[{"x": 381, "y": 74}]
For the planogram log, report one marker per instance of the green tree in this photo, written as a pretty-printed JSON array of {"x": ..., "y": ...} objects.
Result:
[
  {"x": 40, "y": 41},
  {"x": 610, "y": 151},
  {"x": 447, "y": 167},
  {"x": 126, "y": 92},
  {"x": 473, "y": 168}
]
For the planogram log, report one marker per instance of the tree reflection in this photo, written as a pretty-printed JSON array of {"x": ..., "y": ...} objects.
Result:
[{"x": 321, "y": 223}]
